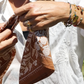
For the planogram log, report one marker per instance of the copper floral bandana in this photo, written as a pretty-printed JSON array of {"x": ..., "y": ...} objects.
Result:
[{"x": 36, "y": 62}]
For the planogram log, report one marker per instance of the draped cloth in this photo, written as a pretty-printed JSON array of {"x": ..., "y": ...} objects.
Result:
[
  {"x": 66, "y": 45},
  {"x": 36, "y": 57},
  {"x": 37, "y": 61}
]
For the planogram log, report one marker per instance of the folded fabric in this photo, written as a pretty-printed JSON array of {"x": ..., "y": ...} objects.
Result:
[
  {"x": 5, "y": 60},
  {"x": 37, "y": 61}
]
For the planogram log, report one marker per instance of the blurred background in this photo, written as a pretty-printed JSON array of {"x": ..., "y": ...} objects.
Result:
[{"x": 83, "y": 69}]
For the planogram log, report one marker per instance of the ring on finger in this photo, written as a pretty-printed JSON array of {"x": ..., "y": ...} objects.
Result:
[
  {"x": 30, "y": 28},
  {"x": 27, "y": 23}
]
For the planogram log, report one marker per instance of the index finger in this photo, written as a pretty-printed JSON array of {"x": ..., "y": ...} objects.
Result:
[
  {"x": 5, "y": 34},
  {"x": 23, "y": 9}
]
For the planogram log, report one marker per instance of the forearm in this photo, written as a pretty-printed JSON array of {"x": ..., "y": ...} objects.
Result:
[
  {"x": 63, "y": 9},
  {"x": 44, "y": 14}
]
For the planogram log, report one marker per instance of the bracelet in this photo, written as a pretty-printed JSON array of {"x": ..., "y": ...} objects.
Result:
[
  {"x": 81, "y": 11},
  {"x": 79, "y": 22},
  {"x": 74, "y": 19}
]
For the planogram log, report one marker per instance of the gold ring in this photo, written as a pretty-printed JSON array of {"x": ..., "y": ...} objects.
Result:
[
  {"x": 27, "y": 23},
  {"x": 29, "y": 27}
]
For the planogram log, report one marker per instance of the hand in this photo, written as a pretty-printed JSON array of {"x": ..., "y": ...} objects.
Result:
[
  {"x": 43, "y": 14},
  {"x": 7, "y": 40}
]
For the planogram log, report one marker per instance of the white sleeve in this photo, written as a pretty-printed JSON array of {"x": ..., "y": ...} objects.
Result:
[
  {"x": 71, "y": 1},
  {"x": 74, "y": 1},
  {"x": 81, "y": 3}
]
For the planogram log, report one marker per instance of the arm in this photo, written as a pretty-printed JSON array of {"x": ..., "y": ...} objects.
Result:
[{"x": 44, "y": 14}]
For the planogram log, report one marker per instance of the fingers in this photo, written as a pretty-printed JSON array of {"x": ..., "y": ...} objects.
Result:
[
  {"x": 32, "y": 14},
  {"x": 28, "y": 11},
  {"x": 32, "y": 21},
  {"x": 5, "y": 34},
  {"x": 8, "y": 42},
  {"x": 25, "y": 17},
  {"x": 39, "y": 26},
  {"x": 36, "y": 14},
  {"x": 38, "y": 23},
  {"x": 23, "y": 9},
  {"x": 36, "y": 19}
]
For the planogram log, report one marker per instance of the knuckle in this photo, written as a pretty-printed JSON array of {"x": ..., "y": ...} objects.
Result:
[
  {"x": 39, "y": 25},
  {"x": 33, "y": 13},
  {"x": 37, "y": 19}
]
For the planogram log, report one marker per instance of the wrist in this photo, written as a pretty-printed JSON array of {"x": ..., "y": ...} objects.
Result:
[
  {"x": 65, "y": 12},
  {"x": 75, "y": 16}
]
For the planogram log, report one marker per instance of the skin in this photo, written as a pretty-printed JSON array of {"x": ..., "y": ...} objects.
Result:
[
  {"x": 44, "y": 14},
  {"x": 41, "y": 14},
  {"x": 16, "y": 4},
  {"x": 7, "y": 41}
]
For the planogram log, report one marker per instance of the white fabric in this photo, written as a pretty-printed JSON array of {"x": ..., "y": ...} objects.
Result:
[{"x": 67, "y": 49}]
